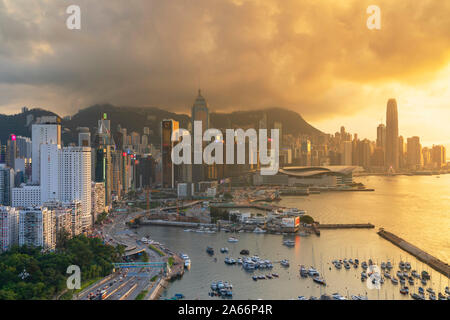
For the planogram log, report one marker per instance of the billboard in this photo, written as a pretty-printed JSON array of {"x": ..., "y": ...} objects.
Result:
[{"x": 290, "y": 222}]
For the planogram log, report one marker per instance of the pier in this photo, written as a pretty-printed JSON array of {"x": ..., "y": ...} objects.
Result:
[
  {"x": 433, "y": 262},
  {"x": 347, "y": 226},
  {"x": 168, "y": 223}
]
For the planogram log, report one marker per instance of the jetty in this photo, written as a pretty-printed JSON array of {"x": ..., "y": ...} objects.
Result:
[
  {"x": 346, "y": 226},
  {"x": 421, "y": 255},
  {"x": 169, "y": 223}
]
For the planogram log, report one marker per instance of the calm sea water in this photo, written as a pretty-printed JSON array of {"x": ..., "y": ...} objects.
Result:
[{"x": 415, "y": 208}]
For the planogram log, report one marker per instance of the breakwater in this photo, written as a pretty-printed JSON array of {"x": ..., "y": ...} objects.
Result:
[{"x": 421, "y": 255}]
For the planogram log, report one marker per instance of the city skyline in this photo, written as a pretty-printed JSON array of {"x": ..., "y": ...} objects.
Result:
[{"x": 271, "y": 54}]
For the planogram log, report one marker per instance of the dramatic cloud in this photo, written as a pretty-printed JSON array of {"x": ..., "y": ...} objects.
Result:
[{"x": 315, "y": 57}]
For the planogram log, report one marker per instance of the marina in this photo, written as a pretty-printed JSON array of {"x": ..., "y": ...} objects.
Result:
[{"x": 401, "y": 275}]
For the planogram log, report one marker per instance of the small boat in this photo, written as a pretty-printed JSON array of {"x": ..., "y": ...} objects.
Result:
[
  {"x": 319, "y": 280},
  {"x": 255, "y": 278},
  {"x": 187, "y": 263},
  {"x": 268, "y": 276},
  {"x": 347, "y": 266},
  {"x": 233, "y": 239},
  {"x": 416, "y": 296},
  {"x": 407, "y": 266},
  {"x": 356, "y": 261},
  {"x": 411, "y": 281},
  {"x": 303, "y": 272},
  {"x": 313, "y": 298},
  {"x": 313, "y": 272},
  {"x": 404, "y": 290},
  {"x": 275, "y": 275},
  {"x": 261, "y": 277},
  {"x": 284, "y": 263},
  {"x": 388, "y": 265},
  {"x": 244, "y": 252},
  {"x": 289, "y": 243},
  {"x": 425, "y": 275},
  {"x": 415, "y": 274},
  {"x": 424, "y": 282},
  {"x": 421, "y": 291},
  {"x": 224, "y": 250},
  {"x": 430, "y": 290},
  {"x": 337, "y": 296},
  {"x": 179, "y": 295},
  {"x": 387, "y": 275},
  {"x": 383, "y": 265},
  {"x": 432, "y": 296},
  {"x": 259, "y": 230},
  {"x": 394, "y": 280},
  {"x": 210, "y": 251},
  {"x": 441, "y": 296},
  {"x": 447, "y": 290},
  {"x": 302, "y": 298}
]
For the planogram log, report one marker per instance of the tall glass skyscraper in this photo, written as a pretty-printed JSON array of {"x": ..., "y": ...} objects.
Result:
[
  {"x": 200, "y": 112},
  {"x": 392, "y": 150}
]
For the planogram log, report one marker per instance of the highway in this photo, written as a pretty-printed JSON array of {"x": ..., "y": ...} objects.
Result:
[{"x": 128, "y": 283}]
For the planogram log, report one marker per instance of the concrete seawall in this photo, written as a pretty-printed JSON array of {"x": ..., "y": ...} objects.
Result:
[
  {"x": 162, "y": 284},
  {"x": 433, "y": 262},
  {"x": 347, "y": 226}
]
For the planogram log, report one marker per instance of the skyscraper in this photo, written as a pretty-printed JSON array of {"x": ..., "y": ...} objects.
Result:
[
  {"x": 11, "y": 153},
  {"x": 168, "y": 169},
  {"x": 200, "y": 112},
  {"x": 414, "y": 153},
  {"x": 381, "y": 136},
  {"x": 46, "y": 130},
  {"x": 76, "y": 179},
  {"x": 392, "y": 149}
]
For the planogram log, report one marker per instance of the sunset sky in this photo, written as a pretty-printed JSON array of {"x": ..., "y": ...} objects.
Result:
[{"x": 316, "y": 57}]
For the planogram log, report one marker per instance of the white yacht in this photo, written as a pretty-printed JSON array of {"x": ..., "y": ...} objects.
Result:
[{"x": 259, "y": 230}]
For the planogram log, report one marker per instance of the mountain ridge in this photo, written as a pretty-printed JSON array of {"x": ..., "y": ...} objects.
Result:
[{"x": 135, "y": 118}]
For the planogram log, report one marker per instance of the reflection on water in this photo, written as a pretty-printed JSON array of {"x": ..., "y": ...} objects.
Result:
[{"x": 415, "y": 208}]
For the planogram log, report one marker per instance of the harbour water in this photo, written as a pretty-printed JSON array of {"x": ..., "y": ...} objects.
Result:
[{"x": 415, "y": 208}]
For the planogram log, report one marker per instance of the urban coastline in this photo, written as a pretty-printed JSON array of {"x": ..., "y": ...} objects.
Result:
[{"x": 62, "y": 192}]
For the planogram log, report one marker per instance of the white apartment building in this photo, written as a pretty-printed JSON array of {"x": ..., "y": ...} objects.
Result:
[
  {"x": 68, "y": 216},
  {"x": 50, "y": 172},
  {"x": 76, "y": 180},
  {"x": 9, "y": 225},
  {"x": 46, "y": 130},
  {"x": 26, "y": 196},
  {"x": 37, "y": 227}
]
